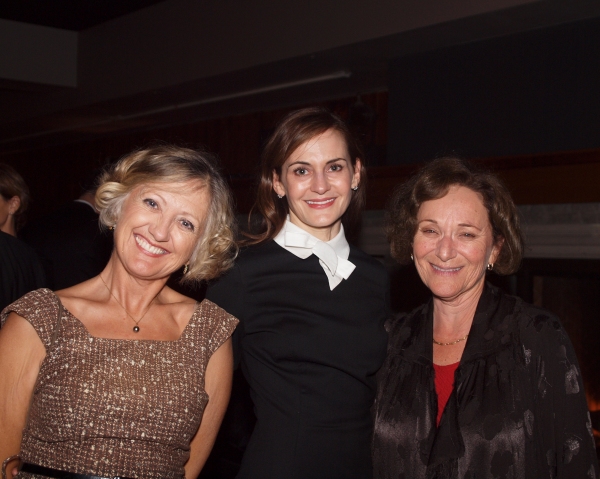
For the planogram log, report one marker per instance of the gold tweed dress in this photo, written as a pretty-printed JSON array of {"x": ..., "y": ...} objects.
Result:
[{"x": 111, "y": 407}]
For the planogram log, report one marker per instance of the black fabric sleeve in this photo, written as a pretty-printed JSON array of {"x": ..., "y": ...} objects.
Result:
[
  {"x": 228, "y": 292},
  {"x": 561, "y": 415}
]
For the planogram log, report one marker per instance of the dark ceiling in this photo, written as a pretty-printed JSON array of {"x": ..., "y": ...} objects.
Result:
[
  {"x": 72, "y": 15},
  {"x": 36, "y": 114}
]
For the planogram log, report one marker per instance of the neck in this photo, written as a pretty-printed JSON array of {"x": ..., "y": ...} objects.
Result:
[
  {"x": 453, "y": 318},
  {"x": 9, "y": 227},
  {"x": 89, "y": 198},
  {"x": 133, "y": 294},
  {"x": 325, "y": 234}
]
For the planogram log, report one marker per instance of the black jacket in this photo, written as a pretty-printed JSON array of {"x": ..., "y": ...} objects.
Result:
[
  {"x": 310, "y": 356},
  {"x": 20, "y": 270},
  {"x": 518, "y": 407},
  {"x": 70, "y": 244}
]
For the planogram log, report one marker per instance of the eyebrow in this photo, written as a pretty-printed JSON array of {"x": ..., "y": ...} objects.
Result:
[
  {"x": 185, "y": 213},
  {"x": 464, "y": 225},
  {"x": 301, "y": 162}
]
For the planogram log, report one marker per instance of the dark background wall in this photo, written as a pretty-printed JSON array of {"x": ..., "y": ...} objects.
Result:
[
  {"x": 525, "y": 93},
  {"x": 54, "y": 172}
]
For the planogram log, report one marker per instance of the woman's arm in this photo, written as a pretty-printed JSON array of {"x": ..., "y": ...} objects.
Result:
[
  {"x": 560, "y": 417},
  {"x": 21, "y": 354},
  {"x": 217, "y": 384}
]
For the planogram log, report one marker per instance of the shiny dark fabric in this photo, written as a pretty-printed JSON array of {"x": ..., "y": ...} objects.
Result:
[
  {"x": 518, "y": 408},
  {"x": 310, "y": 356}
]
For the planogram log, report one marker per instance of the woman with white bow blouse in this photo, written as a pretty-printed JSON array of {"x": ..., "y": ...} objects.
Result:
[{"x": 311, "y": 307}]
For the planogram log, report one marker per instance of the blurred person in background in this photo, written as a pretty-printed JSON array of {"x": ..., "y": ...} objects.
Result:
[
  {"x": 69, "y": 241},
  {"x": 20, "y": 268}
]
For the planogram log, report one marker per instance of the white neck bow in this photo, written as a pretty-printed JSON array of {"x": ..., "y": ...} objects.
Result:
[{"x": 333, "y": 255}]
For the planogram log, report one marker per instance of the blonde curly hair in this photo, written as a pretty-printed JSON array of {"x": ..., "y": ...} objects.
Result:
[{"x": 216, "y": 249}]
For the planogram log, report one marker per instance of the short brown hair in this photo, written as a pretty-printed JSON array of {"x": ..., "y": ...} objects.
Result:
[
  {"x": 432, "y": 182},
  {"x": 293, "y": 130},
  {"x": 216, "y": 249},
  {"x": 12, "y": 184}
]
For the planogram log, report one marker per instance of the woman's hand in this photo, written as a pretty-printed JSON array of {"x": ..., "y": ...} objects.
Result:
[
  {"x": 217, "y": 384},
  {"x": 21, "y": 354}
]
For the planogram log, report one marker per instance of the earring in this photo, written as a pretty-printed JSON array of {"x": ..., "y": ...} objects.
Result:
[
  {"x": 412, "y": 257},
  {"x": 111, "y": 227},
  {"x": 279, "y": 196},
  {"x": 185, "y": 268},
  {"x": 354, "y": 188},
  {"x": 490, "y": 266}
]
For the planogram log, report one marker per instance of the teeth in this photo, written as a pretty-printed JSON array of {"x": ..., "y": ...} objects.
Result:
[
  {"x": 148, "y": 247},
  {"x": 322, "y": 202},
  {"x": 445, "y": 270}
]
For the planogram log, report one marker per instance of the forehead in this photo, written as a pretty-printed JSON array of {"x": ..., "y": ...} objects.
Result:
[
  {"x": 459, "y": 202},
  {"x": 179, "y": 192},
  {"x": 328, "y": 145}
]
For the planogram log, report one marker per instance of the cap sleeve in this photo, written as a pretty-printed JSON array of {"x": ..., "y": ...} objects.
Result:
[
  {"x": 219, "y": 323},
  {"x": 40, "y": 309}
]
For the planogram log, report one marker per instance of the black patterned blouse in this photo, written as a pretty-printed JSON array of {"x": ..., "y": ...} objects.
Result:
[{"x": 518, "y": 408}]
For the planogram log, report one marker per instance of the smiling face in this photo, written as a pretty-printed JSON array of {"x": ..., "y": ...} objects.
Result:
[
  {"x": 159, "y": 226},
  {"x": 317, "y": 180},
  {"x": 454, "y": 244}
]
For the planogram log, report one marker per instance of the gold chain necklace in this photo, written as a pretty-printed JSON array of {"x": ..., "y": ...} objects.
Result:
[
  {"x": 450, "y": 343},
  {"x": 136, "y": 328}
]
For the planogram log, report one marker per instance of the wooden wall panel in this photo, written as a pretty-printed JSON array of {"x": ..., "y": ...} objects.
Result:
[{"x": 54, "y": 173}]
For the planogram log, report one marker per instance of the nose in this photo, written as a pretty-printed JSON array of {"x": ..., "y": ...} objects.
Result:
[
  {"x": 320, "y": 183},
  {"x": 160, "y": 229},
  {"x": 445, "y": 248}
]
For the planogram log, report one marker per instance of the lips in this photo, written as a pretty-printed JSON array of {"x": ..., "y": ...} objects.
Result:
[
  {"x": 142, "y": 243},
  {"x": 445, "y": 270},
  {"x": 324, "y": 203}
]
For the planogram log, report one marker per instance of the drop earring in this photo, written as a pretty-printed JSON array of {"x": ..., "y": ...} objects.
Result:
[{"x": 186, "y": 268}]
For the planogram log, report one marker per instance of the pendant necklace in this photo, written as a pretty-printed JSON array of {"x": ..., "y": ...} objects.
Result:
[
  {"x": 451, "y": 342},
  {"x": 136, "y": 328}
]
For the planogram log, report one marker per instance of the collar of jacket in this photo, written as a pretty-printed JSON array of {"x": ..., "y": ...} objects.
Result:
[{"x": 492, "y": 328}]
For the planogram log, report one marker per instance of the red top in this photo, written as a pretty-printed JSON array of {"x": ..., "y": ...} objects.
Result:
[{"x": 444, "y": 383}]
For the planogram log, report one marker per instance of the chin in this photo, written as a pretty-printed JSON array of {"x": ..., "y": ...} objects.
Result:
[{"x": 445, "y": 292}]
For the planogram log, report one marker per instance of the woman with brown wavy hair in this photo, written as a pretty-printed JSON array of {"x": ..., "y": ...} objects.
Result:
[
  {"x": 477, "y": 383},
  {"x": 121, "y": 376},
  {"x": 311, "y": 307}
]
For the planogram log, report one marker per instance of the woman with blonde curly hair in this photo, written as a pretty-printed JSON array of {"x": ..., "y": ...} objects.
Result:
[{"x": 121, "y": 376}]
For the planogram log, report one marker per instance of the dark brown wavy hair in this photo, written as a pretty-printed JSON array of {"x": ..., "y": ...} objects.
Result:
[
  {"x": 432, "y": 182},
  {"x": 292, "y": 131}
]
